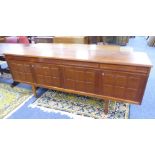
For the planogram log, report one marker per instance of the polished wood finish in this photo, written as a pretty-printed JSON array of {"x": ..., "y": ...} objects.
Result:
[
  {"x": 97, "y": 71},
  {"x": 79, "y": 79},
  {"x": 122, "y": 84},
  {"x": 86, "y": 53},
  {"x": 46, "y": 74}
]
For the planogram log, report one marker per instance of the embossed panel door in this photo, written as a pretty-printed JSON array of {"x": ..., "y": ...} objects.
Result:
[
  {"x": 46, "y": 74},
  {"x": 123, "y": 85},
  {"x": 80, "y": 79},
  {"x": 21, "y": 71}
]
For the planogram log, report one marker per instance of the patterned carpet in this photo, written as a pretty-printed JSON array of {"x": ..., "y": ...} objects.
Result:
[
  {"x": 80, "y": 105},
  {"x": 55, "y": 104},
  {"x": 10, "y": 98}
]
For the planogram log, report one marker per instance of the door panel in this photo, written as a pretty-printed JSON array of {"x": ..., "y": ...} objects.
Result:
[
  {"x": 47, "y": 74},
  {"x": 21, "y": 71},
  {"x": 120, "y": 81},
  {"x": 133, "y": 82},
  {"x": 69, "y": 84},
  {"x": 79, "y": 78},
  {"x": 131, "y": 94},
  {"x": 107, "y": 90},
  {"x": 123, "y": 85},
  {"x": 119, "y": 92}
]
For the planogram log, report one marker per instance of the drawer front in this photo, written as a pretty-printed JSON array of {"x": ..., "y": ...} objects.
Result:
[
  {"x": 54, "y": 61},
  {"x": 139, "y": 69}
]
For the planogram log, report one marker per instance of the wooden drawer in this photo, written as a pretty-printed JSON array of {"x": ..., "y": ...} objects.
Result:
[
  {"x": 20, "y": 58},
  {"x": 136, "y": 69},
  {"x": 54, "y": 61}
]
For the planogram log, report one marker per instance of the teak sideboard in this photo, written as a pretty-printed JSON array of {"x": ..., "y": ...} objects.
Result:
[{"x": 91, "y": 70}]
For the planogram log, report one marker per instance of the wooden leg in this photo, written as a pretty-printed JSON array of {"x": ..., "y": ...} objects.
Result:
[
  {"x": 34, "y": 90},
  {"x": 106, "y": 106}
]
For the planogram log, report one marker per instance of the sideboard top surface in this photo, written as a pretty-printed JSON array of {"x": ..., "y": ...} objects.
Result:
[{"x": 78, "y": 52}]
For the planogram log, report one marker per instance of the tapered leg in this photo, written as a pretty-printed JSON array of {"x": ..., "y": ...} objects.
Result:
[
  {"x": 106, "y": 106},
  {"x": 34, "y": 90}
]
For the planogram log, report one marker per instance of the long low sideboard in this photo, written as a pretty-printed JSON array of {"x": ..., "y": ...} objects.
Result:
[{"x": 91, "y": 70}]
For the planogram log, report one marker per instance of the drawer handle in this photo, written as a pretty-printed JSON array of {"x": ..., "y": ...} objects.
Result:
[{"x": 102, "y": 74}]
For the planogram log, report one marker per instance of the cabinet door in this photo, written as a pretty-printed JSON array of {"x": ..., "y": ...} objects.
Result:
[
  {"x": 80, "y": 79},
  {"x": 48, "y": 75},
  {"x": 21, "y": 71},
  {"x": 123, "y": 85}
]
